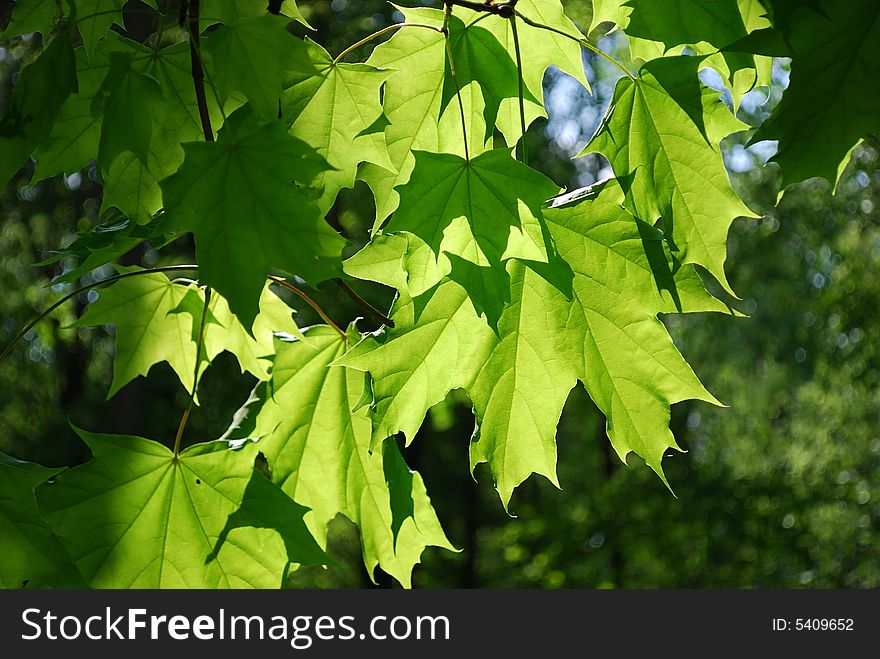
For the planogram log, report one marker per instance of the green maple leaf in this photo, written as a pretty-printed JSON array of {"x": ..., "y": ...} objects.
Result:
[
  {"x": 332, "y": 111},
  {"x": 251, "y": 56},
  {"x": 681, "y": 22},
  {"x": 76, "y": 132},
  {"x": 539, "y": 49},
  {"x": 32, "y": 16},
  {"x": 662, "y": 144},
  {"x": 94, "y": 19},
  {"x": 418, "y": 94},
  {"x": 678, "y": 22},
  {"x": 834, "y": 53},
  {"x": 499, "y": 198},
  {"x": 480, "y": 57},
  {"x": 445, "y": 187},
  {"x": 238, "y": 198},
  {"x": 319, "y": 453},
  {"x": 137, "y": 516},
  {"x": 253, "y": 353},
  {"x": 131, "y": 182},
  {"x": 148, "y": 331},
  {"x": 664, "y": 27},
  {"x": 33, "y": 555},
  {"x": 101, "y": 244},
  {"x": 412, "y": 103},
  {"x": 157, "y": 320},
  {"x": 126, "y": 99},
  {"x": 43, "y": 87},
  {"x": 606, "y": 335},
  {"x": 610, "y": 11}
]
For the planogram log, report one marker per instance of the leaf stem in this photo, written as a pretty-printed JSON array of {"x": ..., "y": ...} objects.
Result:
[
  {"x": 192, "y": 396},
  {"x": 27, "y": 328},
  {"x": 189, "y": 268},
  {"x": 379, "y": 33},
  {"x": 451, "y": 59},
  {"x": 524, "y": 156},
  {"x": 198, "y": 73},
  {"x": 583, "y": 42},
  {"x": 314, "y": 305},
  {"x": 366, "y": 306}
]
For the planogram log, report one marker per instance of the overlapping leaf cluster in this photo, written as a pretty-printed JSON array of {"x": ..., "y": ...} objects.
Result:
[{"x": 231, "y": 128}]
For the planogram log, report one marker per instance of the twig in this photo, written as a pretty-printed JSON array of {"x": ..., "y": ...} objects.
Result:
[
  {"x": 27, "y": 328},
  {"x": 314, "y": 305},
  {"x": 198, "y": 73},
  {"x": 502, "y": 9},
  {"x": 192, "y": 394},
  {"x": 363, "y": 304}
]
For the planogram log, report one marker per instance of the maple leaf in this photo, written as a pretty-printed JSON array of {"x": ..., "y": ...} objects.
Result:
[
  {"x": 412, "y": 103},
  {"x": 147, "y": 332},
  {"x": 126, "y": 99},
  {"x": 539, "y": 50},
  {"x": 33, "y": 104},
  {"x": 834, "y": 51},
  {"x": 94, "y": 19},
  {"x": 445, "y": 189},
  {"x": 239, "y": 199},
  {"x": 157, "y": 320},
  {"x": 319, "y": 453},
  {"x": 252, "y": 55},
  {"x": 229, "y": 11},
  {"x": 662, "y": 146},
  {"x": 332, "y": 111},
  {"x": 73, "y": 139},
  {"x": 137, "y": 516},
  {"x": 131, "y": 181},
  {"x": 31, "y": 16},
  {"x": 479, "y": 57},
  {"x": 606, "y": 335},
  {"x": 33, "y": 554},
  {"x": 665, "y": 27}
]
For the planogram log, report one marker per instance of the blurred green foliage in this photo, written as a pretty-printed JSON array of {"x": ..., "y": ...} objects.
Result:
[{"x": 781, "y": 489}]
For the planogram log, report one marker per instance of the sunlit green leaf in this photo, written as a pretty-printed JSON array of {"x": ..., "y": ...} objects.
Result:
[
  {"x": 657, "y": 140},
  {"x": 319, "y": 452},
  {"x": 136, "y": 516},
  {"x": 330, "y": 111},
  {"x": 607, "y": 336}
]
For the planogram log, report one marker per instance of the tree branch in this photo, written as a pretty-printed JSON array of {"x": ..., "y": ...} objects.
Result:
[
  {"x": 198, "y": 73},
  {"x": 502, "y": 9}
]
